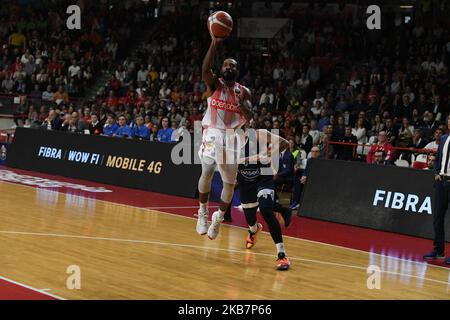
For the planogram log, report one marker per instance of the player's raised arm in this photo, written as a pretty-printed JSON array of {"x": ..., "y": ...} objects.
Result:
[{"x": 207, "y": 74}]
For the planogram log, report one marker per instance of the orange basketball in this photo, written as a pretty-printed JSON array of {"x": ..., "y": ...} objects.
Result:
[{"x": 220, "y": 23}]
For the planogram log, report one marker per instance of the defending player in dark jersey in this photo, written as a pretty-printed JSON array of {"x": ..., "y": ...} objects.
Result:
[{"x": 257, "y": 189}]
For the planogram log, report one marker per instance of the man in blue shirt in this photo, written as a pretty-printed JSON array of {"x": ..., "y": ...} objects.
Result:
[
  {"x": 140, "y": 130},
  {"x": 165, "y": 133},
  {"x": 123, "y": 130},
  {"x": 110, "y": 127}
]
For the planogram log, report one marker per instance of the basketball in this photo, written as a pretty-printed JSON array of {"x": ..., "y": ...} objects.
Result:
[{"x": 220, "y": 23}]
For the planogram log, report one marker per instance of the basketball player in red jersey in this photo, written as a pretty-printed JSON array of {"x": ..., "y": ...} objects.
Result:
[{"x": 228, "y": 110}]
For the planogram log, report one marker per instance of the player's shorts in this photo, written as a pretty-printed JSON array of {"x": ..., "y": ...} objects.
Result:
[
  {"x": 257, "y": 193},
  {"x": 221, "y": 149}
]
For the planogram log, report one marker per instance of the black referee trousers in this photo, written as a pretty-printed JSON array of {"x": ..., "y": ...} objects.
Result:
[{"x": 441, "y": 200}]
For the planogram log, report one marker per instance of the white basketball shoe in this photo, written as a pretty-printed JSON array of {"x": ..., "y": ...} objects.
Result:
[
  {"x": 202, "y": 222},
  {"x": 214, "y": 228}
]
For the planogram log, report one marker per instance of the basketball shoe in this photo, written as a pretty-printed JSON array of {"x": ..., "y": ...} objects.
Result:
[
  {"x": 214, "y": 227},
  {"x": 251, "y": 237},
  {"x": 202, "y": 222},
  {"x": 282, "y": 262}
]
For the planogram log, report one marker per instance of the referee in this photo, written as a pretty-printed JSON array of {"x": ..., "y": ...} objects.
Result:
[{"x": 441, "y": 197}]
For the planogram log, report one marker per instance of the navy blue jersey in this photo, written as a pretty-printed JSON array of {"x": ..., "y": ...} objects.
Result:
[{"x": 251, "y": 172}]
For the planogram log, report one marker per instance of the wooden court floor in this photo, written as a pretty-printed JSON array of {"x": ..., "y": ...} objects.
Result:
[{"x": 126, "y": 252}]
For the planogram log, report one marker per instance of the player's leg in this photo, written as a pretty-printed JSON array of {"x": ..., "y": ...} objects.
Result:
[
  {"x": 227, "y": 217},
  {"x": 228, "y": 174},
  {"x": 286, "y": 213},
  {"x": 250, "y": 205},
  {"x": 204, "y": 188},
  {"x": 266, "y": 197}
]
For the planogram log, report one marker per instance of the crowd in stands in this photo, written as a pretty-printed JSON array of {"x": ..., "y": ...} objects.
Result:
[
  {"x": 41, "y": 58},
  {"x": 325, "y": 77}
]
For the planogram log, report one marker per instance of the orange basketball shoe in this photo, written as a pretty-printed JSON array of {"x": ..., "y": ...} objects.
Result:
[
  {"x": 282, "y": 262},
  {"x": 251, "y": 237}
]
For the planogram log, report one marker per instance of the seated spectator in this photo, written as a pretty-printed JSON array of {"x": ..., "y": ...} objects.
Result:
[
  {"x": 140, "y": 130},
  {"x": 434, "y": 145},
  {"x": 344, "y": 152},
  {"x": 294, "y": 148},
  {"x": 326, "y": 152},
  {"x": 114, "y": 84},
  {"x": 377, "y": 126},
  {"x": 123, "y": 131},
  {"x": 384, "y": 146},
  {"x": 418, "y": 142},
  {"x": 111, "y": 126},
  {"x": 405, "y": 134},
  {"x": 95, "y": 127},
  {"x": 52, "y": 122},
  {"x": 70, "y": 124},
  {"x": 154, "y": 133},
  {"x": 61, "y": 96},
  {"x": 314, "y": 132},
  {"x": 379, "y": 157},
  {"x": 306, "y": 139},
  {"x": 165, "y": 133},
  {"x": 360, "y": 131}
]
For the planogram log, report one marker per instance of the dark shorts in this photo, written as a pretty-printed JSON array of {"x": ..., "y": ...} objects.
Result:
[{"x": 259, "y": 192}]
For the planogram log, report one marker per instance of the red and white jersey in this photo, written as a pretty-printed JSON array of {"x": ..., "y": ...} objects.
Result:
[{"x": 223, "y": 112}]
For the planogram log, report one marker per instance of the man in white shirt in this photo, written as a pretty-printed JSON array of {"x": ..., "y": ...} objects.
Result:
[
  {"x": 314, "y": 133},
  {"x": 319, "y": 97},
  {"x": 74, "y": 69},
  {"x": 48, "y": 94},
  {"x": 265, "y": 95},
  {"x": 142, "y": 74},
  {"x": 434, "y": 145}
]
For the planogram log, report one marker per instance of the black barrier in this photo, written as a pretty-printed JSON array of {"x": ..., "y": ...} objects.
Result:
[
  {"x": 124, "y": 162},
  {"x": 385, "y": 198}
]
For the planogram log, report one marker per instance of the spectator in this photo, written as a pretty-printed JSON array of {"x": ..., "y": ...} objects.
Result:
[
  {"x": 314, "y": 133},
  {"x": 71, "y": 124},
  {"x": 434, "y": 145},
  {"x": 418, "y": 142},
  {"x": 284, "y": 176},
  {"x": 61, "y": 96},
  {"x": 140, "y": 130},
  {"x": 111, "y": 126},
  {"x": 95, "y": 127},
  {"x": 52, "y": 122},
  {"x": 405, "y": 134},
  {"x": 165, "y": 133},
  {"x": 123, "y": 131},
  {"x": 299, "y": 182},
  {"x": 266, "y": 98},
  {"x": 379, "y": 157},
  {"x": 344, "y": 152},
  {"x": 382, "y": 145},
  {"x": 360, "y": 131},
  {"x": 306, "y": 141},
  {"x": 154, "y": 133}
]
